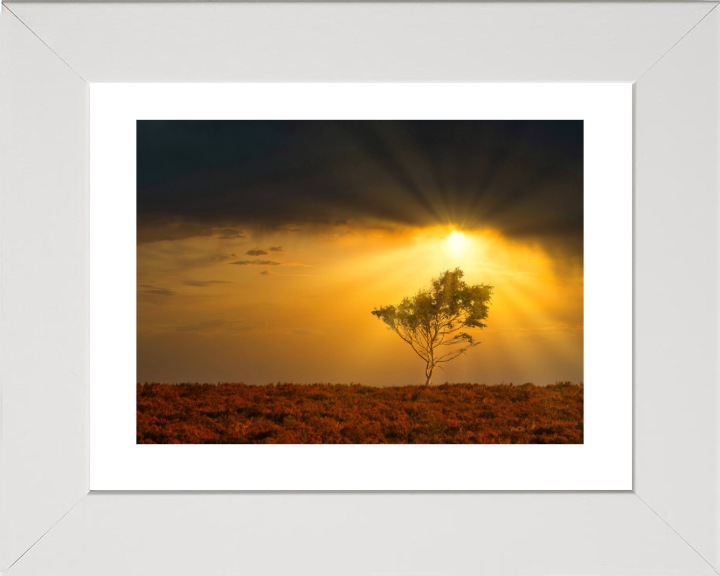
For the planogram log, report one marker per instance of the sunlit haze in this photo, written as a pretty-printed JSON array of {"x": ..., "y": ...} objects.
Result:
[{"x": 263, "y": 261}]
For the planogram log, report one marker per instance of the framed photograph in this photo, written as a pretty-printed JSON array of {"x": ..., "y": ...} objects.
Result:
[{"x": 255, "y": 289}]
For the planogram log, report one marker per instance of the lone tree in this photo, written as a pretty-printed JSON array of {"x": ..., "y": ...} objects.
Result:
[{"x": 432, "y": 320}]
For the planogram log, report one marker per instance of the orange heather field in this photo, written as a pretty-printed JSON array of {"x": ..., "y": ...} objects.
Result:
[{"x": 353, "y": 414}]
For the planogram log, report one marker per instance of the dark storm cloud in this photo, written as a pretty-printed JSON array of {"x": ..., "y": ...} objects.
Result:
[
  {"x": 276, "y": 249},
  {"x": 256, "y": 252},
  {"x": 265, "y": 272},
  {"x": 522, "y": 178},
  {"x": 256, "y": 263}
]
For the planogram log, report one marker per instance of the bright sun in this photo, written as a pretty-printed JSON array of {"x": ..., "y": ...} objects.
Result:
[{"x": 457, "y": 243}]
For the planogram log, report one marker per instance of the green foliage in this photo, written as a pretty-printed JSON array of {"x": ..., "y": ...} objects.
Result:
[{"x": 432, "y": 321}]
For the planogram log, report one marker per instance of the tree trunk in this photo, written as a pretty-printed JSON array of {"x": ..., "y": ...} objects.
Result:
[{"x": 428, "y": 373}]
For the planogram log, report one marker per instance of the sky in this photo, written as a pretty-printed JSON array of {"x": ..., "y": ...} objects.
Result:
[{"x": 264, "y": 246}]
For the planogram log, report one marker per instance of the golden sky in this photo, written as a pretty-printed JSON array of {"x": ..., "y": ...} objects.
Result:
[{"x": 306, "y": 317}]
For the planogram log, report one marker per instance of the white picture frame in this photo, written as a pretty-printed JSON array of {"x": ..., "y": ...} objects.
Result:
[
  {"x": 602, "y": 462},
  {"x": 50, "y": 523}
]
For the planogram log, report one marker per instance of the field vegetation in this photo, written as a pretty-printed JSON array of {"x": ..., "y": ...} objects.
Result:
[{"x": 356, "y": 414}]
